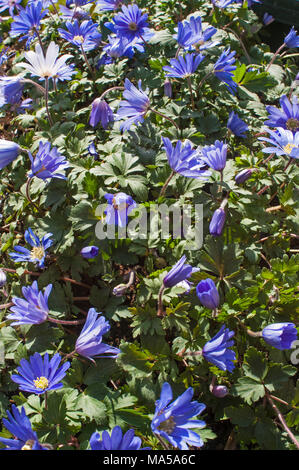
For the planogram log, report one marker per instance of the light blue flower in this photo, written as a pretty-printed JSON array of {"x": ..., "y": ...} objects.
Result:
[
  {"x": 32, "y": 311},
  {"x": 38, "y": 252}
]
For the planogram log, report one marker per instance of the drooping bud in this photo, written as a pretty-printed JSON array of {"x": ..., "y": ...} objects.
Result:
[
  {"x": 8, "y": 152},
  {"x": 119, "y": 290},
  {"x": 220, "y": 391},
  {"x": 90, "y": 252},
  {"x": 217, "y": 222},
  {"x": 100, "y": 112},
  {"x": 168, "y": 88},
  {"x": 243, "y": 175}
]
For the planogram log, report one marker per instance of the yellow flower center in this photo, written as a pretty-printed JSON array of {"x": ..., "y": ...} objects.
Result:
[
  {"x": 28, "y": 445},
  {"x": 37, "y": 252},
  {"x": 79, "y": 39},
  {"x": 288, "y": 148},
  {"x": 133, "y": 27},
  {"x": 168, "y": 425},
  {"x": 41, "y": 382}
]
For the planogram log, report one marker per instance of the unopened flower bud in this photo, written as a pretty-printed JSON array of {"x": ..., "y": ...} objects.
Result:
[
  {"x": 120, "y": 290},
  {"x": 168, "y": 88},
  {"x": 220, "y": 391},
  {"x": 217, "y": 222},
  {"x": 244, "y": 175},
  {"x": 90, "y": 252}
]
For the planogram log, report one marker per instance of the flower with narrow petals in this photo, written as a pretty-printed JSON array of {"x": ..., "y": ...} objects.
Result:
[
  {"x": 27, "y": 23},
  {"x": 11, "y": 90},
  {"x": 286, "y": 117},
  {"x": 116, "y": 441},
  {"x": 215, "y": 155},
  {"x": 236, "y": 125},
  {"x": 268, "y": 19},
  {"x": 9, "y": 5},
  {"x": 90, "y": 252},
  {"x": 32, "y": 311},
  {"x": 283, "y": 142},
  {"x": 217, "y": 350},
  {"x": 100, "y": 112},
  {"x": 178, "y": 273},
  {"x": 18, "y": 424},
  {"x": 134, "y": 107},
  {"x": 190, "y": 34},
  {"x": 223, "y": 69},
  {"x": 208, "y": 294},
  {"x": 172, "y": 420},
  {"x": 292, "y": 40},
  {"x": 89, "y": 344},
  {"x": 83, "y": 35},
  {"x": 119, "y": 206},
  {"x": 183, "y": 67},
  {"x": 217, "y": 222},
  {"x": 185, "y": 160},
  {"x": 8, "y": 152},
  {"x": 50, "y": 65},
  {"x": 120, "y": 47},
  {"x": 280, "y": 335},
  {"x": 108, "y": 5},
  {"x": 129, "y": 23},
  {"x": 40, "y": 375},
  {"x": 38, "y": 252},
  {"x": 47, "y": 163}
]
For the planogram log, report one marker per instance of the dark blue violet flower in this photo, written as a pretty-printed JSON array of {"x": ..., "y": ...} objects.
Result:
[
  {"x": 27, "y": 23},
  {"x": 223, "y": 69},
  {"x": 83, "y": 35},
  {"x": 243, "y": 175},
  {"x": 18, "y": 424},
  {"x": 38, "y": 252},
  {"x": 89, "y": 343},
  {"x": 90, "y": 252},
  {"x": 185, "y": 160},
  {"x": 215, "y": 155},
  {"x": 236, "y": 125},
  {"x": 32, "y": 311},
  {"x": 217, "y": 222},
  {"x": 268, "y": 19},
  {"x": 208, "y": 294},
  {"x": 10, "y": 5},
  {"x": 134, "y": 107},
  {"x": 172, "y": 420},
  {"x": 11, "y": 90},
  {"x": 280, "y": 335},
  {"x": 39, "y": 375},
  {"x": 292, "y": 40},
  {"x": 286, "y": 117},
  {"x": 183, "y": 67},
  {"x": 93, "y": 151},
  {"x": 116, "y": 441},
  {"x": 217, "y": 350},
  {"x": 100, "y": 112},
  {"x": 8, "y": 152},
  {"x": 129, "y": 23},
  {"x": 178, "y": 273},
  {"x": 190, "y": 34},
  {"x": 47, "y": 163},
  {"x": 120, "y": 205},
  {"x": 283, "y": 142},
  {"x": 108, "y": 5}
]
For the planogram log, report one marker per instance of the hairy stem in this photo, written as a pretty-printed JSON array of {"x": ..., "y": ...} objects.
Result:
[{"x": 166, "y": 183}]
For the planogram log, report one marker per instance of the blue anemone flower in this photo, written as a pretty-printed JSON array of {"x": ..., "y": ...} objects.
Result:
[
  {"x": 283, "y": 142},
  {"x": 178, "y": 273},
  {"x": 223, "y": 69},
  {"x": 215, "y": 155},
  {"x": 11, "y": 89},
  {"x": 222, "y": 3},
  {"x": 190, "y": 33},
  {"x": 280, "y": 335},
  {"x": 9, "y": 151},
  {"x": 134, "y": 107},
  {"x": 120, "y": 205},
  {"x": 18, "y": 424},
  {"x": 39, "y": 375},
  {"x": 217, "y": 350},
  {"x": 89, "y": 343},
  {"x": 183, "y": 67},
  {"x": 47, "y": 163},
  {"x": 236, "y": 125},
  {"x": 27, "y": 23},
  {"x": 292, "y": 40},
  {"x": 217, "y": 222},
  {"x": 10, "y": 5},
  {"x": 38, "y": 252},
  {"x": 90, "y": 252},
  {"x": 120, "y": 47},
  {"x": 83, "y": 35},
  {"x": 116, "y": 441},
  {"x": 185, "y": 160},
  {"x": 130, "y": 23},
  {"x": 207, "y": 293},
  {"x": 286, "y": 117},
  {"x": 268, "y": 19},
  {"x": 172, "y": 420},
  {"x": 32, "y": 311},
  {"x": 100, "y": 112},
  {"x": 108, "y": 5}
]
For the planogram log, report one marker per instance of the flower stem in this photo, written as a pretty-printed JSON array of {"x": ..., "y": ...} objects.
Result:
[
  {"x": 282, "y": 420},
  {"x": 39, "y": 87},
  {"x": 275, "y": 55},
  {"x": 47, "y": 101},
  {"x": 86, "y": 61},
  {"x": 165, "y": 117},
  {"x": 28, "y": 193},
  {"x": 111, "y": 89},
  {"x": 242, "y": 45},
  {"x": 166, "y": 184},
  {"x": 39, "y": 40},
  {"x": 160, "y": 312},
  {"x": 162, "y": 442},
  {"x": 65, "y": 322},
  {"x": 191, "y": 92}
]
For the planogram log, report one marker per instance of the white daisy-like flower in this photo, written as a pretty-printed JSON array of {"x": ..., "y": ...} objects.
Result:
[{"x": 49, "y": 65}]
